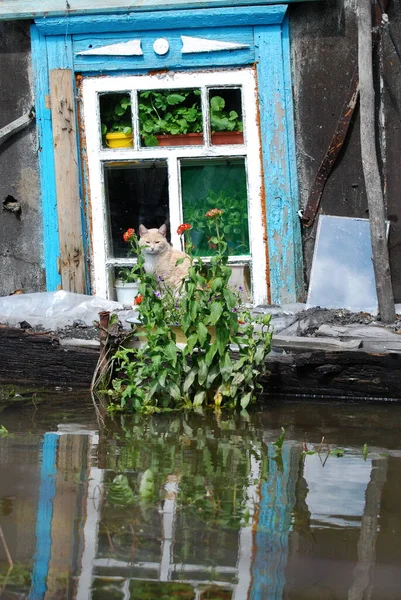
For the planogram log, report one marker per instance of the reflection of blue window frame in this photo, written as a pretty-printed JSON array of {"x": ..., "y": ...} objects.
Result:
[{"x": 264, "y": 35}]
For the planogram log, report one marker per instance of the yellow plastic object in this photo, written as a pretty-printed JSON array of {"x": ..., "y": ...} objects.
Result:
[{"x": 119, "y": 140}]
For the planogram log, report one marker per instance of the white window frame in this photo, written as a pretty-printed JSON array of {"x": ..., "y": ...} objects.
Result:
[{"x": 97, "y": 155}]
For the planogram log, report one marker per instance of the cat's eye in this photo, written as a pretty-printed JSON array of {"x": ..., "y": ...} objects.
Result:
[{"x": 157, "y": 242}]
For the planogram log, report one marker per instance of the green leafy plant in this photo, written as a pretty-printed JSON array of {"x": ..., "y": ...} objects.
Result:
[
  {"x": 235, "y": 226},
  {"x": 222, "y": 120},
  {"x": 171, "y": 112},
  {"x": 3, "y": 431},
  {"x": 159, "y": 375},
  {"x": 115, "y": 113},
  {"x": 132, "y": 273}
]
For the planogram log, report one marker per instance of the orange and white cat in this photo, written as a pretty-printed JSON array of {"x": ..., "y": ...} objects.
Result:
[{"x": 161, "y": 258}]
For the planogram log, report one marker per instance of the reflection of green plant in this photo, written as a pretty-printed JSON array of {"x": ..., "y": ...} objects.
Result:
[
  {"x": 3, "y": 430},
  {"x": 19, "y": 576},
  {"x": 115, "y": 113},
  {"x": 220, "y": 119},
  {"x": 280, "y": 440},
  {"x": 171, "y": 112},
  {"x": 119, "y": 491},
  {"x": 235, "y": 227}
]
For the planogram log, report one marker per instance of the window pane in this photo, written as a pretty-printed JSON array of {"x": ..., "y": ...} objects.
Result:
[
  {"x": 170, "y": 118},
  {"x": 116, "y": 120},
  {"x": 226, "y": 124},
  {"x": 136, "y": 193},
  {"x": 216, "y": 184}
]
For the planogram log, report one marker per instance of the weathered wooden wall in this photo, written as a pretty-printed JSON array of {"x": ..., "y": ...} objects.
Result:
[
  {"x": 20, "y": 232},
  {"x": 324, "y": 55}
]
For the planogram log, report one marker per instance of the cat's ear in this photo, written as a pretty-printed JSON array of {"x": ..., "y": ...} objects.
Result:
[
  {"x": 142, "y": 230},
  {"x": 163, "y": 230}
]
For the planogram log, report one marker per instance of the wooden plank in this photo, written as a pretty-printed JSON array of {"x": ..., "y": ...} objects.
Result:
[
  {"x": 72, "y": 259},
  {"x": 39, "y": 358},
  {"x": 234, "y": 16},
  {"x": 51, "y": 247},
  {"x": 333, "y": 375},
  {"x": 15, "y": 126},
  {"x": 283, "y": 228},
  {"x": 306, "y": 343},
  {"x": 363, "y": 332},
  {"x": 26, "y": 9}
]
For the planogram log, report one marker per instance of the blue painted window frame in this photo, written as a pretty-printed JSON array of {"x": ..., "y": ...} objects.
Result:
[{"x": 53, "y": 43}]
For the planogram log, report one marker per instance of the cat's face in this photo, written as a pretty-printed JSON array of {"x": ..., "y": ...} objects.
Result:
[{"x": 153, "y": 241}]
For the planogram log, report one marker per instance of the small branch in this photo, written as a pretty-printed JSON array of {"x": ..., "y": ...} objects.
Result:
[{"x": 8, "y": 555}]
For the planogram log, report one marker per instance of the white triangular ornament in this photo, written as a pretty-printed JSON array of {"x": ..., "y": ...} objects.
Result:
[
  {"x": 192, "y": 45},
  {"x": 131, "y": 48}
]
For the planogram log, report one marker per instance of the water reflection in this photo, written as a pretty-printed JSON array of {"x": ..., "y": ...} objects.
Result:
[{"x": 199, "y": 507}]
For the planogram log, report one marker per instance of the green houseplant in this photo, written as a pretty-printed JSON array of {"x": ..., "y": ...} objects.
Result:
[
  {"x": 116, "y": 121},
  {"x": 128, "y": 278},
  {"x": 226, "y": 126},
  {"x": 169, "y": 112},
  {"x": 158, "y": 375}
]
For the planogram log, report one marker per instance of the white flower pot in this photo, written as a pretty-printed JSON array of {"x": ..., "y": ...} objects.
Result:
[{"x": 126, "y": 291}]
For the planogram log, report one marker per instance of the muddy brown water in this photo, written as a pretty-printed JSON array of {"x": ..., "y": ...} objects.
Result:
[{"x": 196, "y": 506}]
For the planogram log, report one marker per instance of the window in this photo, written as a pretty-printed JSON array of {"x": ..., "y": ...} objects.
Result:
[{"x": 163, "y": 151}]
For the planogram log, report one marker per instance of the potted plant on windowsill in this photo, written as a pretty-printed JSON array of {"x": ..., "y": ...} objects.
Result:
[
  {"x": 227, "y": 127},
  {"x": 170, "y": 117},
  {"x": 116, "y": 123},
  {"x": 128, "y": 280}
]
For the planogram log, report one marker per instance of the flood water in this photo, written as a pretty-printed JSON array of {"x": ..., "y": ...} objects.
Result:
[{"x": 199, "y": 506}]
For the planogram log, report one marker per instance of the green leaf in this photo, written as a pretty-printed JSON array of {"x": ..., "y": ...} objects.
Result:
[
  {"x": 245, "y": 400},
  {"x": 217, "y": 103},
  {"x": 191, "y": 342},
  {"x": 202, "y": 333},
  {"x": 212, "y": 374},
  {"x": 199, "y": 398},
  {"x": 171, "y": 352},
  {"x": 151, "y": 140},
  {"x": 190, "y": 378},
  {"x": 210, "y": 354},
  {"x": 202, "y": 372},
  {"x": 216, "y": 311},
  {"x": 174, "y": 391},
  {"x": 175, "y": 99},
  {"x": 217, "y": 284}
]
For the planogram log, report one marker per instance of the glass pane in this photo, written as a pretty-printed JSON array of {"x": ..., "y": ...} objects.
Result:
[
  {"x": 170, "y": 118},
  {"x": 226, "y": 124},
  {"x": 216, "y": 184},
  {"x": 342, "y": 273},
  {"x": 116, "y": 120},
  {"x": 136, "y": 193}
]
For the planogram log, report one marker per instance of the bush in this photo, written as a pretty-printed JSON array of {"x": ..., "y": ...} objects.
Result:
[{"x": 159, "y": 375}]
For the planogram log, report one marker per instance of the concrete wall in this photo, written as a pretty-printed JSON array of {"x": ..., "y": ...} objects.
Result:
[
  {"x": 324, "y": 54},
  {"x": 20, "y": 238}
]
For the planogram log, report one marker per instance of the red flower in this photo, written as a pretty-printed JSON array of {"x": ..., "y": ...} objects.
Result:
[
  {"x": 138, "y": 299},
  {"x": 214, "y": 212},
  {"x": 183, "y": 227},
  {"x": 241, "y": 322},
  {"x": 128, "y": 234}
]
